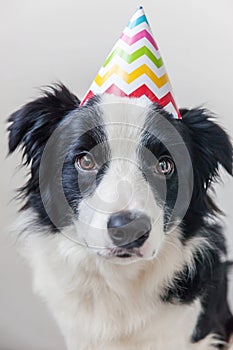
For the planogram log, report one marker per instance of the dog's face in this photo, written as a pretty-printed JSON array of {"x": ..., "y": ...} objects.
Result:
[
  {"x": 119, "y": 176},
  {"x": 116, "y": 175}
]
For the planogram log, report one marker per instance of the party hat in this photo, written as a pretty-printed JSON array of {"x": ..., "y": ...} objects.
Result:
[{"x": 135, "y": 68}]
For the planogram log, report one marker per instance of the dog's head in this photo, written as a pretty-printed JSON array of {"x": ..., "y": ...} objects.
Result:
[{"x": 118, "y": 175}]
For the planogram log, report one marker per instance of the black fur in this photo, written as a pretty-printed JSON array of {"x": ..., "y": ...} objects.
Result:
[
  {"x": 208, "y": 145},
  {"x": 31, "y": 128},
  {"x": 216, "y": 316}
]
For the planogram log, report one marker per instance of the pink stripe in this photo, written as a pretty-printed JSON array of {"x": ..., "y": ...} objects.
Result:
[{"x": 143, "y": 34}]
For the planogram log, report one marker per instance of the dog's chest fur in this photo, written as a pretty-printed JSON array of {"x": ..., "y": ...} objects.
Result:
[
  {"x": 122, "y": 327},
  {"x": 93, "y": 316},
  {"x": 100, "y": 305}
]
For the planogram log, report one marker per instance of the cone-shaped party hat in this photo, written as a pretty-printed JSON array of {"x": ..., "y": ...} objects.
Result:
[{"x": 135, "y": 68}]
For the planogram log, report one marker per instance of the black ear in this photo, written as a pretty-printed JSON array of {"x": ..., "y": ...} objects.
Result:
[
  {"x": 32, "y": 125},
  {"x": 210, "y": 145}
]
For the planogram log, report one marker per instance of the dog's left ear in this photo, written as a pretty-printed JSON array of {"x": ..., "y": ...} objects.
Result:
[
  {"x": 32, "y": 125},
  {"x": 210, "y": 145}
]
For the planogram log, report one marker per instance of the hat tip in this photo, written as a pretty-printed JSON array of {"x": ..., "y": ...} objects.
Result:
[{"x": 140, "y": 7}]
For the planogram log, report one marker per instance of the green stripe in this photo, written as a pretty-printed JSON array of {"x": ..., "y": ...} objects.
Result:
[{"x": 134, "y": 56}]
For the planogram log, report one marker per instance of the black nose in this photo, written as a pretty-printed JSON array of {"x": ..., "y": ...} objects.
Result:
[{"x": 129, "y": 229}]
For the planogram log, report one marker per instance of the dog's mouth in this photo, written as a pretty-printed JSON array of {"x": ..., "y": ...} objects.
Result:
[
  {"x": 116, "y": 252},
  {"x": 120, "y": 252}
]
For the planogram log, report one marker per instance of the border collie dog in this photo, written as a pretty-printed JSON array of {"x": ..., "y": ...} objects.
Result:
[{"x": 118, "y": 224}]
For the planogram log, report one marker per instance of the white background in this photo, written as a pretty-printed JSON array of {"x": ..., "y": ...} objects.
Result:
[{"x": 43, "y": 41}]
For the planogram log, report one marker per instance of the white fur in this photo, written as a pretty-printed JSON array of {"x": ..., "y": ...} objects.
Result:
[
  {"x": 100, "y": 305},
  {"x": 123, "y": 186}
]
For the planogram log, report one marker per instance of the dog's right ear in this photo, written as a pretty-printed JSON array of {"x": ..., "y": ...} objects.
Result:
[{"x": 33, "y": 124}]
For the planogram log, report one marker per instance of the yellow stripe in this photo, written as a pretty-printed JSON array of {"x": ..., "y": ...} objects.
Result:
[{"x": 130, "y": 77}]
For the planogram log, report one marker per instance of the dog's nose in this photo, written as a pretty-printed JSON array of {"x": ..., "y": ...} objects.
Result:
[{"x": 129, "y": 229}]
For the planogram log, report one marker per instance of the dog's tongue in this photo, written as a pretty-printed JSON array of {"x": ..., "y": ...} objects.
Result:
[{"x": 134, "y": 68}]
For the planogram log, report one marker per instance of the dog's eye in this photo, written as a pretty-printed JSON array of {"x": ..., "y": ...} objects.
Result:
[
  {"x": 165, "y": 166},
  {"x": 85, "y": 161}
]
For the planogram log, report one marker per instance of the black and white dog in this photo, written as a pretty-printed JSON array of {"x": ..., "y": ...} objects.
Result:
[{"x": 118, "y": 224}]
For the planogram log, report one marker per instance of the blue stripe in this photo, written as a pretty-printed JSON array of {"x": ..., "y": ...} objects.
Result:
[{"x": 138, "y": 21}]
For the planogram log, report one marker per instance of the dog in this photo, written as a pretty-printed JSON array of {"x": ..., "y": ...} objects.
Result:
[{"x": 118, "y": 223}]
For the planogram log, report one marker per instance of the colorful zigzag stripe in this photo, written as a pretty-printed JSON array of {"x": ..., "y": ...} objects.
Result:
[
  {"x": 135, "y": 68},
  {"x": 143, "y": 34}
]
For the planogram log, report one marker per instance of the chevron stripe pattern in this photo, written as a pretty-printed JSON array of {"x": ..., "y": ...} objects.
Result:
[{"x": 135, "y": 68}]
